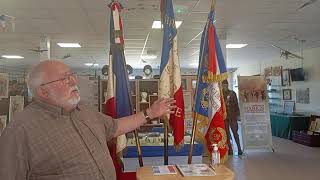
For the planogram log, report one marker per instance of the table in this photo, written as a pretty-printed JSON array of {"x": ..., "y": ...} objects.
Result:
[
  {"x": 223, "y": 173},
  {"x": 282, "y": 125}
]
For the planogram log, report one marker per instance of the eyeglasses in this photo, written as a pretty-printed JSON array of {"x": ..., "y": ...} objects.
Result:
[{"x": 66, "y": 79}]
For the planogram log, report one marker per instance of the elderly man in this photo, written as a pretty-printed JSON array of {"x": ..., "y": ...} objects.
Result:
[
  {"x": 233, "y": 113},
  {"x": 57, "y": 138}
]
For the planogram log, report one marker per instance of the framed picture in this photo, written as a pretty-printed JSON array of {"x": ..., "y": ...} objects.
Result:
[
  {"x": 277, "y": 70},
  {"x": 303, "y": 96},
  {"x": 267, "y": 72},
  {"x": 184, "y": 84},
  {"x": 194, "y": 84},
  {"x": 4, "y": 85},
  {"x": 3, "y": 122},
  {"x": 287, "y": 94},
  {"x": 187, "y": 102},
  {"x": 289, "y": 107},
  {"x": 285, "y": 77},
  {"x": 16, "y": 105}
]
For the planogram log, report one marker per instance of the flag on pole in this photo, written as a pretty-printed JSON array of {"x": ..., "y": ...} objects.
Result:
[
  {"x": 209, "y": 111},
  {"x": 170, "y": 77},
  {"x": 118, "y": 103}
]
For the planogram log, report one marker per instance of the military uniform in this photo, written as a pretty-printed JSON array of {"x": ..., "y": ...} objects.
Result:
[{"x": 233, "y": 113}]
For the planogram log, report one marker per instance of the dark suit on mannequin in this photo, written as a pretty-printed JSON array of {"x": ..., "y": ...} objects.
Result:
[{"x": 233, "y": 113}]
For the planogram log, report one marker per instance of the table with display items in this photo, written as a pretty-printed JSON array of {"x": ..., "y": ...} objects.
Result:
[
  {"x": 222, "y": 173},
  {"x": 283, "y": 125}
]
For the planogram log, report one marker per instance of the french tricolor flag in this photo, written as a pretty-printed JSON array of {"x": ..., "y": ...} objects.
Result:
[{"x": 170, "y": 77}]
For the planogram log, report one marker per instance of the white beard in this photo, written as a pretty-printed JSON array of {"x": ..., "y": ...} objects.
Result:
[{"x": 73, "y": 102}]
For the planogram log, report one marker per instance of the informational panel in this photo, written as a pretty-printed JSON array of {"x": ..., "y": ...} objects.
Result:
[{"x": 254, "y": 110}]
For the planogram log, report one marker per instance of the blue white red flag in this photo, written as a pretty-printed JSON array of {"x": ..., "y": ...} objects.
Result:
[{"x": 170, "y": 77}]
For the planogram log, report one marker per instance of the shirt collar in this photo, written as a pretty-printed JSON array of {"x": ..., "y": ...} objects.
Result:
[{"x": 58, "y": 111}]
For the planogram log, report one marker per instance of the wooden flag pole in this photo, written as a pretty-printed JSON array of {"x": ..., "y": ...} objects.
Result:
[
  {"x": 213, "y": 4},
  {"x": 165, "y": 123},
  {"x": 138, "y": 148},
  {"x": 194, "y": 126},
  {"x": 135, "y": 131}
]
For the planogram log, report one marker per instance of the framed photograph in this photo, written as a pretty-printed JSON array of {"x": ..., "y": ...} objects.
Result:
[
  {"x": 303, "y": 96},
  {"x": 4, "y": 85},
  {"x": 289, "y": 107},
  {"x": 194, "y": 84},
  {"x": 16, "y": 105},
  {"x": 187, "y": 102},
  {"x": 287, "y": 94},
  {"x": 184, "y": 84},
  {"x": 3, "y": 122},
  {"x": 286, "y": 77},
  {"x": 277, "y": 70},
  {"x": 267, "y": 72}
]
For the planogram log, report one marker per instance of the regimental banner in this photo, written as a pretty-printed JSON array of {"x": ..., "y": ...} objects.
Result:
[{"x": 254, "y": 110}]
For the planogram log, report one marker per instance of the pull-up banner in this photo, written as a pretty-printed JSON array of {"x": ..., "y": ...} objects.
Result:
[{"x": 254, "y": 111}]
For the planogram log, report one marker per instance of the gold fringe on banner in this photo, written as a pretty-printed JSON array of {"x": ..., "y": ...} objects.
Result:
[{"x": 214, "y": 78}]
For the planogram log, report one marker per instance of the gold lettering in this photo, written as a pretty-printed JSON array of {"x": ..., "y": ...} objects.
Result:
[{"x": 178, "y": 112}]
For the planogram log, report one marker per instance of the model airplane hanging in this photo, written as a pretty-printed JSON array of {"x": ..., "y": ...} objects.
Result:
[
  {"x": 287, "y": 54},
  {"x": 308, "y": 3},
  {"x": 38, "y": 50},
  {"x": 66, "y": 56}
]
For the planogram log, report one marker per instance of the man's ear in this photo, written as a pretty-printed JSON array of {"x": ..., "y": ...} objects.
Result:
[{"x": 42, "y": 92}]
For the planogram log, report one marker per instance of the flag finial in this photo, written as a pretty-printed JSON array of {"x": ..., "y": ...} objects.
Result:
[{"x": 213, "y": 5}]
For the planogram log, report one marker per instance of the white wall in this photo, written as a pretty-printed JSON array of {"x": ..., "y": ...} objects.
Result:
[{"x": 311, "y": 65}]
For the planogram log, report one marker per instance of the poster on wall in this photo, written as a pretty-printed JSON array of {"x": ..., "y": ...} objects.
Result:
[
  {"x": 254, "y": 111},
  {"x": 4, "y": 85},
  {"x": 16, "y": 105},
  {"x": 303, "y": 96}
]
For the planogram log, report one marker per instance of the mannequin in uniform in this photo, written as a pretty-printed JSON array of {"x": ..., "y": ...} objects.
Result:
[{"x": 233, "y": 113}]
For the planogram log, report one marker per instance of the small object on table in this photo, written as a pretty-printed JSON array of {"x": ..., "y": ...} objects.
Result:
[
  {"x": 196, "y": 170},
  {"x": 162, "y": 170}
]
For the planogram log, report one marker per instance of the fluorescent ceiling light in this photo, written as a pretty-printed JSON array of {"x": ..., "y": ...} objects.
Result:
[
  {"x": 149, "y": 57},
  {"x": 157, "y": 24},
  {"x": 12, "y": 56},
  {"x": 235, "y": 46},
  {"x": 194, "y": 64},
  {"x": 91, "y": 64},
  {"x": 69, "y": 45}
]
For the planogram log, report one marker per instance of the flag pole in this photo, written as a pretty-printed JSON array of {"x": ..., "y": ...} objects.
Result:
[
  {"x": 135, "y": 131},
  {"x": 195, "y": 117},
  {"x": 194, "y": 126},
  {"x": 213, "y": 4},
  {"x": 138, "y": 148},
  {"x": 166, "y": 143},
  {"x": 165, "y": 118}
]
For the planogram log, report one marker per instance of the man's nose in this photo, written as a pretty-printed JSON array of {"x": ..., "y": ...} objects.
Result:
[{"x": 73, "y": 80}]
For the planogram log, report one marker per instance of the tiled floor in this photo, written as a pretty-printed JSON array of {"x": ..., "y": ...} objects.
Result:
[{"x": 290, "y": 161}]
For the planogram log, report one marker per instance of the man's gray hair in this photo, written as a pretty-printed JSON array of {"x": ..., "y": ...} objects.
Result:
[{"x": 35, "y": 78}]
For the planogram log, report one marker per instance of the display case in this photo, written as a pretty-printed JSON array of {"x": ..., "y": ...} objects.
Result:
[
  {"x": 144, "y": 92},
  {"x": 273, "y": 76}
]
